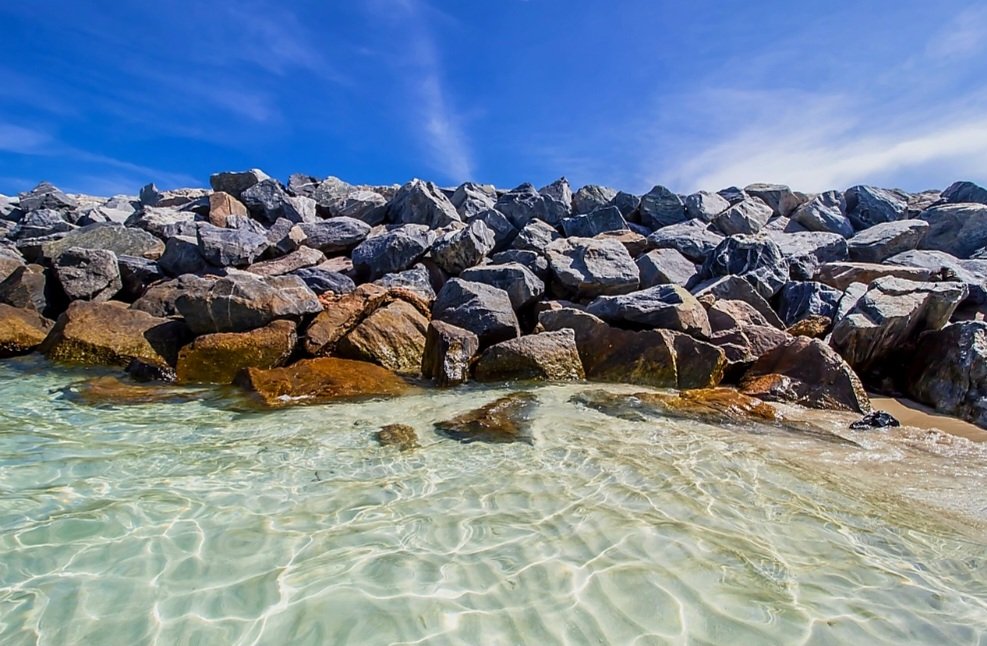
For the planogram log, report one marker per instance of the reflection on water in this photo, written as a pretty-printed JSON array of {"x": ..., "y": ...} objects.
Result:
[{"x": 198, "y": 520}]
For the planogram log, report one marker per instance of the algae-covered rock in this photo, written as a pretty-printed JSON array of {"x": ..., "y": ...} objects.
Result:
[
  {"x": 218, "y": 358},
  {"x": 507, "y": 419},
  {"x": 549, "y": 355},
  {"x": 399, "y": 435},
  {"x": 320, "y": 381},
  {"x": 21, "y": 330}
]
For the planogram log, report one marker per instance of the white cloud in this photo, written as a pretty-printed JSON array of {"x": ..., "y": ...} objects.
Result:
[
  {"x": 964, "y": 36},
  {"x": 25, "y": 141}
]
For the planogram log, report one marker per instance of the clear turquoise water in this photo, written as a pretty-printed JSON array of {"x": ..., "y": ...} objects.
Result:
[{"x": 204, "y": 522}]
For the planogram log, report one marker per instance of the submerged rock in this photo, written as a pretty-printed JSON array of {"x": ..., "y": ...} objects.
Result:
[
  {"x": 218, "y": 358},
  {"x": 549, "y": 355},
  {"x": 875, "y": 419},
  {"x": 400, "y": 435},
  {"x": 319, "y": 381},
  {"x": 507, "y": 419},
  {"x": 709, "y": 405}
]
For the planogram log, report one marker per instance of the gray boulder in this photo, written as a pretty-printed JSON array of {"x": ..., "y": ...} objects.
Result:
[
  {"x": 824, "y": 213},
  {"x": 472, "y": 199},
  {"x": 866, "y": 206},
  {"x": 735, "y": 288},
  {"x": 419, "y": 202},
  {"x": 881, "y": 241},
  {"x": 321, "y": 281},
  {"x": 416, "y": 279},
  {"x": 483, "y": 310},
  {"x": 534, "y": 261},
  {"x": 949, "y": 371},
  {"x": 267, "y": 201},
  {"x": 965, "y": 192},
  {"x": 288, "y": 263},
  {"x": 535, "y": 236},
  {"x": 588, "y": 225},
  {"x": 396, "y": 250},
  {"x": 661, "y": 208},
  {"x": 806, "y": 252},
  {"x": 549, "y": 356},
  {"x": 235, "y": 183},
  {"x": 705, "y": 206},
  {"x": 588, "y": 267},
  {"x": 799, "y": 300},
  {"x": 35, "y": 288},
  {"x": 182, "y": 255},
  {"x": 628, "y": 205},
  {"x": 758, "y": 260},
  {"x": 222, "y": 247},
  {"x": 456, "y": 250},
  {"x": 782, "y": 200},
  {"x": 163, "y": 222},
  {"x": 504, "y": 232},
  {"x": 748, "y": 216},
  {"x": 591, "y": 197},
  {"x": 42, "y": 222},
  {"x": 335, "y": 198},
  {"x": 302, "y": 184},
  {"x": 972, "y": 273},
  {"x": 694, "y": 239},
  {"x": 957, "y": 229},
  {"x": 112, "y": 237},
  {"x": 334, "y": 235},
  {"x": 559, "y": 190},
  {"x": 668, "y": 307},
  {"x": 521, "y": 285},
  {"x": 88, "y": 274},
  {"x": 666, "y": 267},
  {"x": 523, "y": 203},
  {"x": 136, "y": 274},
  {"x": 448, "y": 353}
]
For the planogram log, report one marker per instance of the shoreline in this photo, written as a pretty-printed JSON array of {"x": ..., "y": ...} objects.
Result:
[{"x": 912, "y": 413}]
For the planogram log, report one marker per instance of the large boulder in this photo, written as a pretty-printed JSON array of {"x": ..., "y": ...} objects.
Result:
[
  {"x": 506, "y": 419},
  {"x": 223, "y": 247},
  {"x": 456, "y": 250},
  {"x": 242, "y": 301},
  {"x": 482, "y": 309},
  {"x": 111, "y": 334},
  {"x": 321, "y": 280},
  {"x": 949, "y": 371},
  {"x": 88, "y": 274},
  {"x": 866, "y": 206},
  {"x": 800, "y": 300},
  {"x": 503, "y": 231},
  {"x": 419, "y": 202},
  {"x": 21, "y": 330},
  {"x": 745, "y": 217},
  {"x": 416, "y": 279},
  {"x": 807, "y": 372},
  {"x": 41, "y": 223},
  {"x": 535, "y": 236},
  {"x": 235, "y": 183},
  {"x": 396, "y": 250},
  {"x": 734, "y": 288},
  {"x": 669, "y": 307},
  {"x": 336, "y": 198},
  {"x": 524, "y": 203},
  {"x": 958, "y": 229},
  {"x": 705, "y": 205},
  {"x": 888, "y": 318},
  {"x": 972, "y": 273},
  {"x": 319, "y": 381},
  {"x": 267, "y": 201},
  {"x": 661, "y": 208},
  {"x": 588, "y": 225},
  {"x": 591, "y": 197},
  {"x": 840, "y": 275},
  {"x": 806, "y": 251},
  {"x": 588, "y": 267},
  {"x": 781, "y": 199},
  {"x": 965, "y": 192},
  {"x": 448, "y": 353},
  {"x": 182, "y": 255},
  {"x": 334, "y": 235},
  {"x": 549, "y": 355},
  {"x": 392, "y": 336},
  {"x": 46, "y": 196},
  {"x": 534, "y": 261},
  {"x": 881, "y": 241},
  {"x": 218, "y": 358},
  {"x": 120, "y": 240},
  {"x": 471, "y": 199},
  {"x": 756, "y": 259},
  {"x": 666, "y": 267},
  {"x": 694, "y": 239},
  {"x": 136, "y": 274},
  {"x": 727, "y": 315},
  {"x": 223, "y": 206},
  {"x": 165, "y": 223},
  {"x": 824, "y": 213},
  {"x": 521, "y": 285},
  {"x": 559, "y": 190}
]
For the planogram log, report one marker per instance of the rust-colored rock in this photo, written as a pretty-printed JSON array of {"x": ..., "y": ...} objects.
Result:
[
  {"x": 113, "y": 391},
  {"x": 814, "y": 327},
  {"x": 321, "y": 380},
  {"x": 710, "y": 405},
  {"x": 218, "y": 358},
  {"x": 399, "y": 435},
  {"x": 21, "y": 330},
  {"x": 222, "y": 206},
  {"x": 507, "y": 419},
  {"x": 550, "y": 356},
  {"x": 393, "y": 336}
]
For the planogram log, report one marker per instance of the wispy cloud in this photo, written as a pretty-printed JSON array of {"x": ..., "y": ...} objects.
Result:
[
  {"x": 22, "y": 140},
  {"x": 965, "y": 35}
]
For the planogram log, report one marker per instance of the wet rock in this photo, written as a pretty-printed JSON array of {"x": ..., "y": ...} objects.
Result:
[
  {"x": 589, "y": 267},
  {"x": 807, "y": 372},
  {"x": 218, "y": 358},
  {"x": 588, "y": 225},
  {"x": 734, "y": 288},
  {"x": 745, "y": 217},
  {"x": 941, "y": 265},
  {"x": 881, "y": 241},
  {"x": 88, "y": 274},
  {"x": 591, "y": 197},
  {"x": 321, "y": 281},
  {"x": 21, "y": 330},
  {"x": 694, "y": 239},
  {"x": 399, "y": 435},
  {"x": 521, "y": 285},
  {"x": 393, "y": 251},
  {"x": 949, "y": 371},
  {"x": 182, "y": 255},
  {"x": 235, "y": 183},
  {"x": 448, "y": 353},
  {"x": 136, "y": 274},
  {"x": 801, "y": 299},
  {"x": 110, "y": 334},
  {"x": 482, "y": 309},
  {"x": 840, "y": 275},
  {"x": 301, "y": 258},
  {"x": 240, "y": 302},
  {"x": 334, "y": 235},
  {"x": 320, "y": 381},
  {"x": 222, "y": 206},
  {"x": 466, "y": 247},
  {"x": 419, "y": 202},
  {"x": 709, "y": 405},
  {"x": 957, "y": 229},
  {"x": 875, "y": 419},
  {"x": 967, "y": 192},
  {"x": 392, "y": 336},
  {"x": 806, "y": 252},
  {"x": 507, "y": 419},
  {"x": 550, "y": 356},
  {"x": 112, "y": 391},
  {"x": 223, "y": 247},
  {"x": 535, "y": 236},
  {"x": 823, "y": 213},
  {"x": 669, "y": 307},
  {"x": 524, "y": 203},
  {"x": 165, "y": 223},
  {"x": 758, "y": 260},
  {"x": 890, "y": 316},
  {"x": 661, "y": 208},
  {"x": 472, "y": 199},
  {"x": 705, "y": 206},
  {"x": 866, "y": 206},
  {"x": 503, "y": 231},
  {"x": 110, "y": 237}
]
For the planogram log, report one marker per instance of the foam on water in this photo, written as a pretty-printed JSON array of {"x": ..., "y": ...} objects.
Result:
[{"x": 204, "y": 522}]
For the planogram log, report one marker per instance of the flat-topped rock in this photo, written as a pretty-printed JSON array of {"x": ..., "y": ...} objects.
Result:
[
  {"x": 218, "y": 358},
  {"x": 881, "y": 241},
  {"x": 504, "y": 420},
  {"x": 320, "y": 381},
  {"x": 590, "y": 267},
  {"x": 550, "y": 356},
  {"x": 840, "y": 275}
]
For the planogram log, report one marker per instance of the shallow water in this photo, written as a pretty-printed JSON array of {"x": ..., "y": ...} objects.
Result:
[{"x": 206, "y": 522}]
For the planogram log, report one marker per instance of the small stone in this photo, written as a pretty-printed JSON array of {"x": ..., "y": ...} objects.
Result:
[
  {"x": 507, "y": 419},
  {"x": 875, "y": 419},
  {"x": 399, "y": 435}
]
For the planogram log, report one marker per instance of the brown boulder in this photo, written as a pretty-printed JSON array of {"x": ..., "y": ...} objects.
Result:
[
  {"x": 507, "y": 419},
  {"x": 727, "y": 315},
  {"x": 113, "y": 391},
  {"x": 710, "y": 405},
  {"x": 21, "y": 330},
  {"x": 448, "y": 353},
  {"x": 218, "y": 358},
  {"x": 392, "y": 336},
  {"x": 549, "y": 355},
  {"x": 399, "y": 435},
  {"x": 222, "y": 206},
  {"x": 322, "y": 380},
  {"x": 814, "y": 327}
]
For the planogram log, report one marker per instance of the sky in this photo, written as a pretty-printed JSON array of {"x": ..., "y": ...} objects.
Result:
[{"x": 104, "y": 97}]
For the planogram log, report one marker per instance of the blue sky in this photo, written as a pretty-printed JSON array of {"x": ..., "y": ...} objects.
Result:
[{"x": 103, "y": 97}]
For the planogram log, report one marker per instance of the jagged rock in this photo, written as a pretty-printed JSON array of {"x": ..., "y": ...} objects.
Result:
[
  {"x": 875, "y": 419},
  {"x": 780, "y": 224},
  {"x": 823, "y": 213},
  {"x": 419, "y": 202},
  {"x": 549, "y": 355},
  {"x": 694, "y": 239},
  {"x": 482, "y": 309},
  {"x": 805, "y": 252},
  {"x": 507, "y": 419},
  {"x": 448, "y": 353},
  {"x": 301, "y": 258},
  {"x": 185, "y": 199},
  {"x": 320, "y": 381},
  {"x": 11, "y": 260},
  {"x": 222, "y": 206},
  {"x": 801, "y": 299},
  {"x": 116, "y": 210},
  {"x": 522, "y": 204},
  {"x": 890, "y": 316},
  {"x": 110, "y": 237},
  {"x": 661, "y": 208},
  {"x": 392, "y": 336},
  {"x": 218, "y": 358},
  {"x": 734, "y": 288},
  {"x": 967, "y": 192},
  {"x": 635, "y": 243},
  {"x": 841, "y": 275},
  {"x": 705, "y": 206},
  {"x": 949, "y": 371},
  {"x": 669, "y": 307},
  {"x": 336, "y": 198},
  {"x": 559, "y": 190},
  {"x": 588, "y": 225},
  {"x": 853, "y": 293},
  {"x": 267, "y": 201},
  {"x": 223, "y": 247},
  {"x": 135, "y": 275},
  {"x": 778, "y": 197},
  {"x": 334, "y": 235},
  {"x": 972, "y": 273},
  {"x": 472, "y": 199},
  {"x": 164, "y": 223},
  {"x": 814, "y": 327},
  {"x": 732, "y": 194},
  {"x": 536, "y": 262},
  {"x": 415, "y": 279},
  {"x": 521, "y": 285},
  {"x": 284, "y": 236},
  {"x": 159, "y": 299},
  {"x": 88, "y": 274},
  {"x": 503, "y": 231},
  {"x": 41, "y": 223},
  {"x": 396, "y": 250},
  {"x": 321, "y": 281},
  {"x": 866, "y": 206},
  {"x": 628, "y": 205},
  {"x": 466, "y": 247},
  {"x": 709, "y": 405},
  {"x": 728, "y": 315},
  {"x": 301, "y": 184},
  {"x": 242, "y": 301},
  {"x": 235, "y": 183},
  {"x": 957, "y": 229},
  {"x": 881, "y": 241},
  {"x": 807, "y": 372},
  {"x": 744, "y": 345},
  {"x": 590, "y": 267},
  {"x": 182, "y": 255},
  {"x": 535, "y": 236},
  {"x": 110, "y": 334},
  {"x": 46, "y": 196},
  {"x": 758, "y": 260},
  {"x": 21, "y": 330},
  {"x": 399, "y": 435},
  {"x": 591, "y": 197},
  {"x": 745, "y": 217},
  {"x": 647, "y": 357}
]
